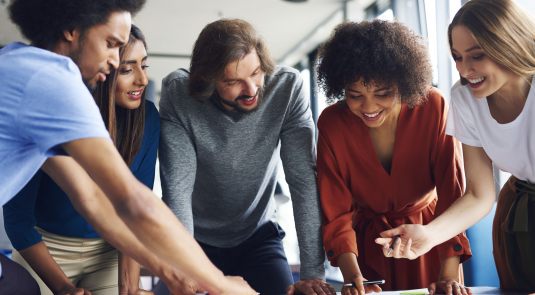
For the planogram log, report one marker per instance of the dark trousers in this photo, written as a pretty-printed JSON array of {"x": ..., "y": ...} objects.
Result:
[
  {"x": 15, "y": 279},
  {"x": 260, "y": 260}
]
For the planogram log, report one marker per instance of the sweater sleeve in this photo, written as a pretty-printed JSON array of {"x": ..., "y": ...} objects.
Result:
[
  {"x": 449, "y": 180},
  {"x": 336, "y": 200},
  {"x": 299, "y": 163},
  {"x": 151, "y": 138},
  {"x": 178, "y": 158},
  {"x": 19, "y": 218}
]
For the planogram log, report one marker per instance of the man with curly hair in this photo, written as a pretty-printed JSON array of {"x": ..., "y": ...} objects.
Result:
[
  {"x": 384, "y": 158},
  {"x": 47, "y": 111},
  {"x": 225, "y": 125}
]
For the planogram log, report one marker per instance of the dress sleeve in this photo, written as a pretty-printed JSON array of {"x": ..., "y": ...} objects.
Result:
[
  {"x": 449, "y": 180},
  {"x": 299, "y": 163},
  {"x": 151, "y": 137},
  {"x": 178, "y": 158},
  {"x": 336, "y": 200},
  {"x": 19, "y": 218}
]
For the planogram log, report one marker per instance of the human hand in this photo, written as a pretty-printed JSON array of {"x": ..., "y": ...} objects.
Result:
[
  {"x": 448, "y": 286},
  {"x": 133, "y": 290},
  {"x": 415, "y": 240},
  {"x": 183, "y": 286},
  {"x": 237, "y": 286},
  {"x": 72, "y": 290},
  {"x": 311, "y": 287},
  {"x": 360, "y": 289}
]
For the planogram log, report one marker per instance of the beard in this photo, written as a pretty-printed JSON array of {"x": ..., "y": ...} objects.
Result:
[
  {"x": 236, "y": 105},
  {"x": 76, "y": 56}
]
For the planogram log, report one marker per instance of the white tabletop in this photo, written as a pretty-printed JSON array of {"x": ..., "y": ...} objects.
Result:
[{"x": 475, "y": 290}]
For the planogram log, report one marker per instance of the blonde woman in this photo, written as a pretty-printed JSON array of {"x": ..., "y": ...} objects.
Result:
[{"x": 492, "y": 107}]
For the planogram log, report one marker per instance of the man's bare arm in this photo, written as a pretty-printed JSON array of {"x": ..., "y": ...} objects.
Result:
[
  {"x": 153, "y": 224},
  {"x": 89, "y": 200}
]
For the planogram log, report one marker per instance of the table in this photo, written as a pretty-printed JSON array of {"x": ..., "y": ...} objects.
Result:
[{"x": 476, "y": 290}]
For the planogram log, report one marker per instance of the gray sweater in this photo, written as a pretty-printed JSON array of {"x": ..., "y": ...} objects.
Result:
[{"x": 219, "y": 167}]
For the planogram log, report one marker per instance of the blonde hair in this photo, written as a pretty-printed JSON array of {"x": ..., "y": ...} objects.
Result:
[{"x": 503, "y": 29}]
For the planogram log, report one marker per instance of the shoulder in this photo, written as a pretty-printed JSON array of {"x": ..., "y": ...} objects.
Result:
[
  {"x": 331, "y": 116},
  {"x": 284, "y": 77},
  {"x": 44, "y": 63},
  {"x": 177, "y": 77},
  {"x": 152, "y": 117},
  {"x": 461, "y": 94},
  {"x": 435, "y": 101}
]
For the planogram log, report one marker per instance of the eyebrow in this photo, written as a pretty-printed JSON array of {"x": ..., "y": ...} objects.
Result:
[
  {"x": 469, "y": 49},
  {"x": 133, "y": 61},
  {"x": 378, "y": 90},
  {"x": 232, "y": 80},
  {"x": 118, "y": 41}
]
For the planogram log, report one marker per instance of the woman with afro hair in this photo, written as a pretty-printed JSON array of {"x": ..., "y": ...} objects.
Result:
[{"x": 384, "y": 158}]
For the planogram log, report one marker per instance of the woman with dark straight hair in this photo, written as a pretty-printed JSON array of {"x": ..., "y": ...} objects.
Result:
[{"x": 53, "y": 241}]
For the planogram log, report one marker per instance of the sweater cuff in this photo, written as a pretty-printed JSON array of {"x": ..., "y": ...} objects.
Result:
[
  {"x": 312, "y": 273},
  {"x": 456, "y": 246}
]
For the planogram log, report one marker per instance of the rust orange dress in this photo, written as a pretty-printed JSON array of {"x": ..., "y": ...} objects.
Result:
[{"x": 360, "y": 199}]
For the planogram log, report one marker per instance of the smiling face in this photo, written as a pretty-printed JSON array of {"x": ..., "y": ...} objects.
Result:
[
  {"x": 97, "y": 51},
  {"x": 374, "y": 104},
  {"x": 132, "y": 77},
  {"x": 240, "y": 88},
  {"x": 486, "y": 77}
]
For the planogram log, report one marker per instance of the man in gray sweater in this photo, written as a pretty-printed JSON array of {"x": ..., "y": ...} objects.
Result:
[{"x": 225, "y": 125}]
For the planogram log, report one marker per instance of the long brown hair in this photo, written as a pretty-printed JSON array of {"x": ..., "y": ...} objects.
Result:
[
  {"x": 219, "y": 44},
  {"x": 125, "y": 125},
  {"x": 503, "y": 29}
]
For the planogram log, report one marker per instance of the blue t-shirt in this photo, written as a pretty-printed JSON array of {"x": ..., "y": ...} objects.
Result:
[
  {"x": 42, "y": 202},
  {"x": 43, "y": 103}
]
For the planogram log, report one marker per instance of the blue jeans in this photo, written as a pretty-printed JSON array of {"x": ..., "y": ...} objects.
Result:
[{"x": 260, "y": 260}]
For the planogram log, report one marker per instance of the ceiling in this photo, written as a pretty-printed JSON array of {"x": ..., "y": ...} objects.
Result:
[{"x": 172, "y": 26}]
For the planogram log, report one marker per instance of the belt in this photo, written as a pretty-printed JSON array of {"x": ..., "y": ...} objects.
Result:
[
  {"x": 517, "y": 218},
  {"x": 370, "y": 224}
]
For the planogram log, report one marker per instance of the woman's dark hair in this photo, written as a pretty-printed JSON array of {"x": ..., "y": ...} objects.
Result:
[
  {"x": 382, "y": 52},
  {"x": 44, "y": 21},
  {"x": 125, "y": 125},
  {"x": 219, "y": 44}
]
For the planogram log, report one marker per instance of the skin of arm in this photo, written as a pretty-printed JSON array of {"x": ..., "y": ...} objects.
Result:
[
  {"x": 448, "y": 279},
  {"x": 153, "y": 224},
  {"x": 129, "y": 276},
  {"x": 475, "y": 204},
  {"x": 95, "y": 207},
  {"x": 39, "y": 259},
  {"x": 351, "y": 272}
]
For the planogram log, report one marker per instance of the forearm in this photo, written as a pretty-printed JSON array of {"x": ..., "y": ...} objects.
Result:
[
  {"x": 128, "y": 274},
  {"x": 39, "y": 259},
  {"x": 98, "y": 211},
  {"x": 464, "y": 213},
  {"x": 308, "y": 227},
  {"x": 475, "y": 204},
  {"x": 153, "y": 224},
  {"x": 347, "y": 262},
  {"x": 449, "y": 268}
]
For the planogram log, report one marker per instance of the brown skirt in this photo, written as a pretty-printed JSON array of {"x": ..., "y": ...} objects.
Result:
[{"x": 514, "y": 250}]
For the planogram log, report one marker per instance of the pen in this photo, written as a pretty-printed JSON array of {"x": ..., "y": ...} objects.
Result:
[
  {"x": 365, "y": 283},
  {"x": 392, "y": 245}
]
